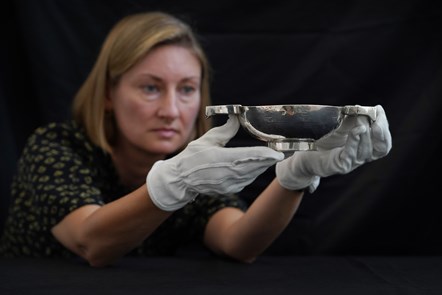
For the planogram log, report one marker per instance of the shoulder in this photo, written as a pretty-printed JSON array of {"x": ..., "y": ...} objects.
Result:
[
  {"x": 67, "y": 134},
  {"x": 59, "y": 140},
  {"x": 59, "y": 131}
]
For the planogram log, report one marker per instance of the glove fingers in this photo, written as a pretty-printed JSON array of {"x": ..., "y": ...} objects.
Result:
[
  {"x": 242, "y": 159},
  {"x": 331, "y": 141},
  {"x": 365, "y": 146},
  {"x": 238, "y": 168},
  {"x": 257, "y": 153},
  {"x": 338, "y": 137},
  {"x": 348, "y": 123},
  {"x": 314, "y": 185},
  {"x": 236, "y": 178},
  {"x": 220, "y": 136},
  {"x": 381, "y": 136},
  {"x": 350, "y": 156}
]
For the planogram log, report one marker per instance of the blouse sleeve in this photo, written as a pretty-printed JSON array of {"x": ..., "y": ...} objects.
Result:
[{"x": 54, "y": 177}]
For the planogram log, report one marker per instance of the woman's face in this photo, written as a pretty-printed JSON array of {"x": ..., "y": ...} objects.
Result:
[{"x": 156, "y": 102}]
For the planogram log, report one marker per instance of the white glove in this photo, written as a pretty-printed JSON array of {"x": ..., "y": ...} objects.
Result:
[
  {"x": 379, "y": 134},
  {"x": 354, "y": 143},
  {"x": 205, "y": 166}
]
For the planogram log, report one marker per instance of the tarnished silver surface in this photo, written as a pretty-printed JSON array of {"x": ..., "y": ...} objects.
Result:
[{"x": 294, "y": 127}]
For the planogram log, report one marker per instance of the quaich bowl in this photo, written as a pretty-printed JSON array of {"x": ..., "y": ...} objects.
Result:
[{"x": 289, "y": 128}]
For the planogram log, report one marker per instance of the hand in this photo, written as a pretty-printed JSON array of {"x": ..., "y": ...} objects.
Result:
[
  {"x": 379, "y": 134},
  {"x": 354, "y": 143},
  {"x": 205, "y": 166}
]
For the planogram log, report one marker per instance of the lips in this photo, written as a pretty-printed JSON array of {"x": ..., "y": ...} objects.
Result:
[{"x": 165, "y": 132}]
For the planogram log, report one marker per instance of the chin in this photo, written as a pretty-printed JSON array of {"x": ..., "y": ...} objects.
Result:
[{"x": 166, "y": 149}]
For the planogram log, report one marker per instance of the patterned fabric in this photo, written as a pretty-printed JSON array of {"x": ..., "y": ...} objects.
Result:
[{"x": 59, "y": 171}]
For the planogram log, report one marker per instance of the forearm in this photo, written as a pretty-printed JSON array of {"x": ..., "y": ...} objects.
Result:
[
  {"x": 105, "y": 234},
  {"x": 255, "y": 230}
]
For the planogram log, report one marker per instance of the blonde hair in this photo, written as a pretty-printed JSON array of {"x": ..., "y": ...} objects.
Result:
[{"x": 126, "y": 44}]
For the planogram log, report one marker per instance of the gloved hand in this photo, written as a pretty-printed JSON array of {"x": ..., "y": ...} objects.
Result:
[
  {"x": 379, "y": 134},
  {"x": 205, "y": 166},
  {"x": 354, "y": 143}
]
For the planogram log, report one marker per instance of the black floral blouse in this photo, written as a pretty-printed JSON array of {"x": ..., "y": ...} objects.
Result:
[{"x": 59, "y": 171}]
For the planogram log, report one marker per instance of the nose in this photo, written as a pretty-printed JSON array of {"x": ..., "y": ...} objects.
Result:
[{"x": 168, "y": 107}]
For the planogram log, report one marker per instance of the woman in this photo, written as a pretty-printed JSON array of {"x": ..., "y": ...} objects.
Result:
[{"x": 139, "y": 171}]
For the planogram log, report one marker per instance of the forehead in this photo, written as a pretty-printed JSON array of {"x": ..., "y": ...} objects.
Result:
[{"x": 169, "y": 60}]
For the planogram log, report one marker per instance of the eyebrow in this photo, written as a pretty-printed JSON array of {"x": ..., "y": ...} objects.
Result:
[{"x": 157, "y": 78}]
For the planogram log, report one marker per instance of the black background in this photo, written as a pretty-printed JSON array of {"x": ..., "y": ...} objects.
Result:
[{"x": 269, "y": 52}]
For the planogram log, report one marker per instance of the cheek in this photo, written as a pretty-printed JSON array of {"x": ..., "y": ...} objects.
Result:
[
  {"x": 189, "y": 116},
  {"x": 130, "y": 114}
]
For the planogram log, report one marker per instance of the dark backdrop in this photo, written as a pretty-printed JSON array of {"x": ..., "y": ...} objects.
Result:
[{"x": 269, "y": 52}]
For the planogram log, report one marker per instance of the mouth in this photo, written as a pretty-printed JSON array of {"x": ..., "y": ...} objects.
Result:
[{"x": 165, "y": 132}]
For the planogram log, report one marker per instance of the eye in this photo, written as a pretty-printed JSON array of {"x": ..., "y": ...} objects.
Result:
[
  {"x": 187, "y": 90},
  {"x": 150, "y": 88}
]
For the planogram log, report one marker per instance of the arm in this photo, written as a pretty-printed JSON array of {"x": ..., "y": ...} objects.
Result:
[
  {"x": 103, "y": 234},
  {"x": 244, "y": 236}
]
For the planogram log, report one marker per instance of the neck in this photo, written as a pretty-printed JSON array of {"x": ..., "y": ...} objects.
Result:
[{"x": 132, "y": 166}]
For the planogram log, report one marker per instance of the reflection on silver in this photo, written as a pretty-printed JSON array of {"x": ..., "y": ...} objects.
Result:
[{"x": 289, "y": 128}]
